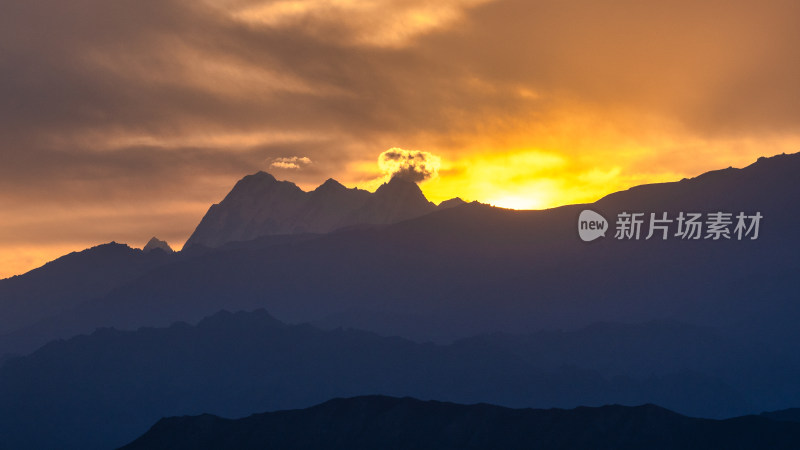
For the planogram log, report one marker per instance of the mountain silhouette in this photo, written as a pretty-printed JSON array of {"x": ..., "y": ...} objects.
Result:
[
  {"x": 784, "y": 415},
  {"x": 713, "y": 320},
  {"x": 104, "y": 389},
  {"x": 155, "y": 243},
  {"x": 405, "y": 423},
  {"x": 70, "y": 280},
  {"x": 259, "y": 205},
  {"x": 473, "y": 269}
]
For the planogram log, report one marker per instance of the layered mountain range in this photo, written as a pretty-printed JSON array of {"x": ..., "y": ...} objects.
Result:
[
  {"x": 450, "y": 273},
  {"x": 706, "y": 327},
  {"x": 235, "y": 364}
]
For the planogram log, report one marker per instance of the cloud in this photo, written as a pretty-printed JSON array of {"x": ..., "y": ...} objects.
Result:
[
  {"x": 357, "y": 22},
  {"x": 151, "y": 102},
  {"x": 292, "y": 162},
  {"x": 411, "y": 165}
]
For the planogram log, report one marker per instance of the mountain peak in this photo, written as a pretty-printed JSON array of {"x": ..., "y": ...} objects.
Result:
[
  {"x": 399, "y": 185},
  {"x": 398, "y": 180},
  {"x": 452, "y": 203},
  {"x": 260, "y": 205},
  {"x": 155, "y": 243},
  {"x": 259, "y": 184},
  {"x": 392, "y": 202},
  {"x": 262, "y": 176},
  {"x": 330, "y": 185}
]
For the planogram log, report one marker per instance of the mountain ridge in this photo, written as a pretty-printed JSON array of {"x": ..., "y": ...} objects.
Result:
[
  {"x": 70, "y": 280},
  {"x": 260, "y": 205},
  {"x": 457, "y": 257},
  {"x": 237, "y": 363},
  {"x": 405, "y": 423}
]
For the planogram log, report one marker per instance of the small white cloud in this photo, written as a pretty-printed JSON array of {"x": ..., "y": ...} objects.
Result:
[{"x": 291, "y": 162}]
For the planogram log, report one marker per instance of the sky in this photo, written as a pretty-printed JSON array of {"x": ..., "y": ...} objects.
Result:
[{"x": 125, "y": 120}]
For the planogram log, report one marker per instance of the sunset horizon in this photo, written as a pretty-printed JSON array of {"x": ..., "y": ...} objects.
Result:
[
  {"x": 21, "y": 260},
  {"x": 130, "y": 121}
]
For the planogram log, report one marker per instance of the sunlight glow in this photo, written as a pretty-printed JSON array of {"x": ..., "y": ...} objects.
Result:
[{"x": 515, "y": 202}]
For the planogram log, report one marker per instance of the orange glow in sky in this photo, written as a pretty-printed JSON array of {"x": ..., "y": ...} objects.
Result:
[{"x": 115, "y": 126}]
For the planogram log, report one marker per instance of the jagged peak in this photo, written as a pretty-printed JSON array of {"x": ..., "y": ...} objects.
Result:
[
  {"x": 398, "y": 184},
  {"x": 330, "y": 185},
  {"x": 155, "y": 243}
]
